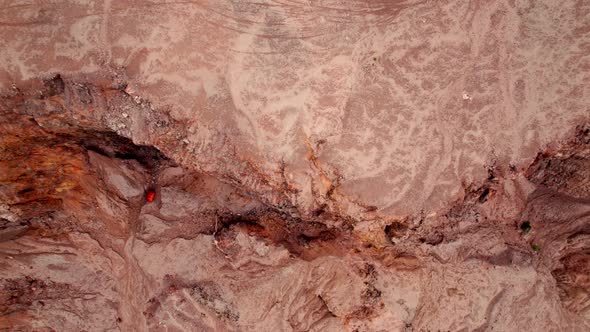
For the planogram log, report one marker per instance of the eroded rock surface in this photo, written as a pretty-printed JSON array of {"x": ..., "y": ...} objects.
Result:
[{"x": 315, "y": 165}]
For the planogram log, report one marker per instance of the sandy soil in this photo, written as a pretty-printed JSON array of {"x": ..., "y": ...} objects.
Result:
[{"x": 317, "y": 165}]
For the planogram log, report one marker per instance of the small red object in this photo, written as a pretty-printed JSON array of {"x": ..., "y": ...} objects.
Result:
[{"x": 150, "y": 196}]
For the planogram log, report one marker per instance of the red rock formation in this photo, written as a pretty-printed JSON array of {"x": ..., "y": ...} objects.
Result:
[{"x": 312, "y": 166}]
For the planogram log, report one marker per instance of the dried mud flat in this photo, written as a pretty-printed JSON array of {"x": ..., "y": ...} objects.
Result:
[{"x": 315, "y": 165}]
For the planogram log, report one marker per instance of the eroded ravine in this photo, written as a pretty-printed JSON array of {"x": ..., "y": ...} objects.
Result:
[
  {"x": 83, "y": 249},
  {"x": 301, "y": 165}
]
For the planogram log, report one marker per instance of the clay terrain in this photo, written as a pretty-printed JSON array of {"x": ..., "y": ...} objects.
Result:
[{"x": 295, "y": 165}]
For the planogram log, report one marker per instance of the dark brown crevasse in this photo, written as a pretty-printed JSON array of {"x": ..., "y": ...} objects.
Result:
[
  {"x": 69, "y": 172},
  {"x": 43, "y": 161}
]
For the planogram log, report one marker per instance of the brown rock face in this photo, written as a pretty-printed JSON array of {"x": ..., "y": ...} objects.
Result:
[{"x": 295, "y": 166}]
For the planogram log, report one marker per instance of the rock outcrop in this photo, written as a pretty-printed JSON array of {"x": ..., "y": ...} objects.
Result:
[{"x": 314, "y": 166}]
